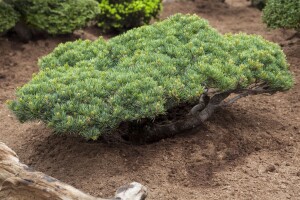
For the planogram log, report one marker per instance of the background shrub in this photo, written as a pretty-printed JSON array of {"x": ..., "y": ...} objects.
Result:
[
  {"x": 8, "y": 16},
  {"x": 89, "y": 88},
  {"x": 260, "y": 4},
  {"x": 56, "y": 16},
  {"x": 282, "y": 14},
  {"x": 126, "y": 14}
]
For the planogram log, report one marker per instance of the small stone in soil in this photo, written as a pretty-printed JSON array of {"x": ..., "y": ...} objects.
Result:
[
  {"x": 2, "y": 76},
  {"x": 270, "y": 168}
]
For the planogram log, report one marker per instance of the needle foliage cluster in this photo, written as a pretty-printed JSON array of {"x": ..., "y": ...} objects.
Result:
[
  {"x": 125, "y": 14},
  {"x": 282, "y": 14},
  {"x": 8, "y": 16},
  {"x": 89, "y": 88},
  {"x": 56, "y": 16}
]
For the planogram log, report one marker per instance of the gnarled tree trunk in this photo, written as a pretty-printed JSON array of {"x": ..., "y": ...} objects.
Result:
[
  {"x": 19, "y": 182},
  {"x": 196, "y": 117}
]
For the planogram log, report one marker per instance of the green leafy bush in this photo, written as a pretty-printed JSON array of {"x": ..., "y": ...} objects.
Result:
[
  {"x": 8, "y": 16},
  {"x": 89, "y": 88},
  {"x": 126, "y": 14},
  {"x": 56, "y": 16},
  {"x": 282, "y": 14}
]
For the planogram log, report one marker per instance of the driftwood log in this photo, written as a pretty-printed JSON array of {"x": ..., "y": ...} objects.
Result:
[{"x": 20, "y": 182}]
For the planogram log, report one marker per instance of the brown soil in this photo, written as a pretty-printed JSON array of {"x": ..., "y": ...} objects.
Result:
[{"x": 250, "y": 150}]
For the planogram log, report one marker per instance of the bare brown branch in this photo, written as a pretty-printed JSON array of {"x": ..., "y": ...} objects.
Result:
[{"x": 203, "y": 100}]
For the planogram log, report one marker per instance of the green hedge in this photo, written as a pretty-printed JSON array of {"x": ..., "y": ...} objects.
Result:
[
  {"x": 89, "y": 88},
  {"x": 56, "y": 16},
  {"x": 64, "y": 16},
  {"x": 282, "y": 14},
  {"x": 8, "y": 17},
  {"x": 126, "y": 14}
]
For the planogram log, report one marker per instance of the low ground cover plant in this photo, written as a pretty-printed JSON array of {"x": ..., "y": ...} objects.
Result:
[
  {"x": 8, "y": 16},
  {"x": 91, "y": 88},
  {"x": 282, "y": 14},
  {"x": 126, "y": 14}
]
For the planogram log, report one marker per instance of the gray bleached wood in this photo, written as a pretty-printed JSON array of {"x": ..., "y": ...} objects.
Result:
[{"x": 20, "y": 182}]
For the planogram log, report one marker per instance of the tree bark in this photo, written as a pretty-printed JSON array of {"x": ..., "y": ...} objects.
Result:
[
  {"x": 23, "y": 32},
  {"x": 20, "y": 182},
  {"x": 156, "y": 132},
  {"x": 198, "y": 114}
]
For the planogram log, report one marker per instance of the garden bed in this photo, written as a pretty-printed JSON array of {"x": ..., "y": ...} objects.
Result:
[{"x": 248, "y": 151}]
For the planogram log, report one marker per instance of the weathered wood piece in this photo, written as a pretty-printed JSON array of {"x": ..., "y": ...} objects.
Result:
[{"x": 20, "y": 182}]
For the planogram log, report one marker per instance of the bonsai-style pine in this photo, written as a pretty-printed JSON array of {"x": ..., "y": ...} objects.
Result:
[
  {"x": 282, "y": 14},
  {"x": 92, "y": 88},
  {"x": 8, "y": 16}
]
